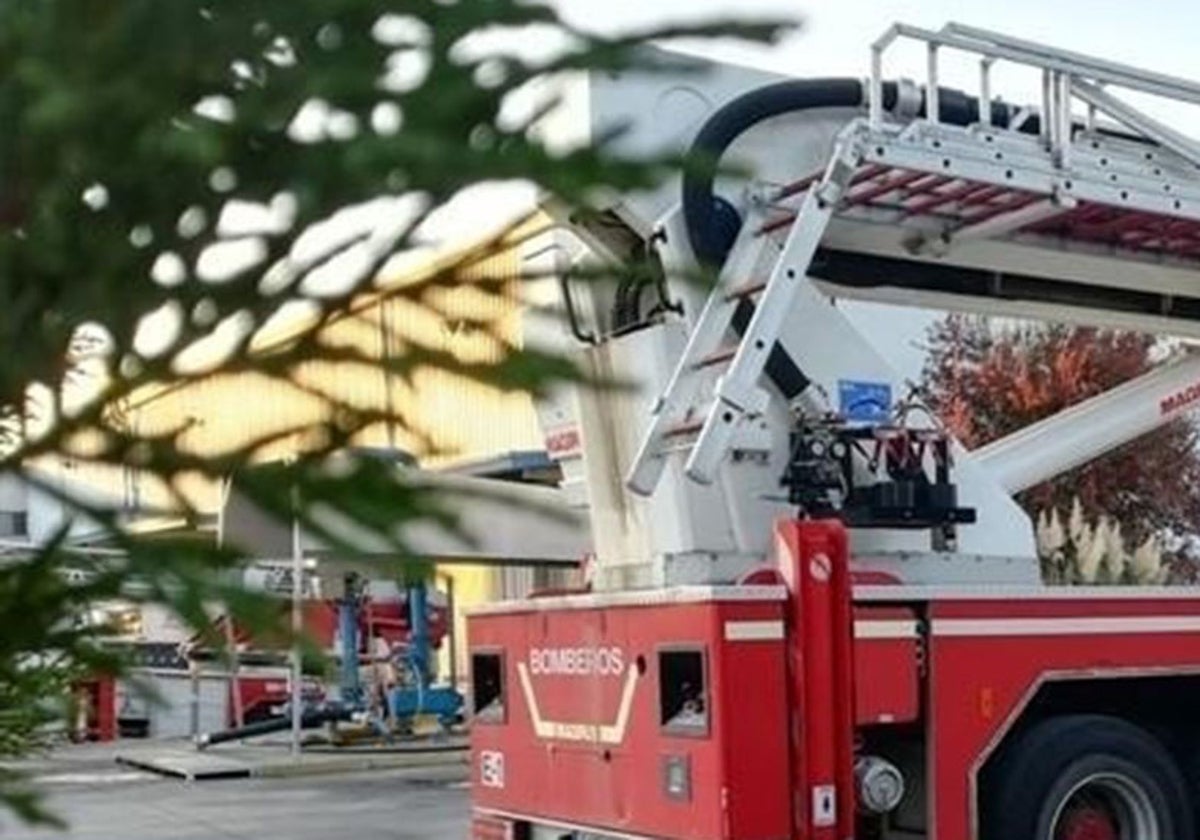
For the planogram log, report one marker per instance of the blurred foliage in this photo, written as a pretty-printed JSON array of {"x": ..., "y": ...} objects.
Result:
[{"x": 131, "y": 130}]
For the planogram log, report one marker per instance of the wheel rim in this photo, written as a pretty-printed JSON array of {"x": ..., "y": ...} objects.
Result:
[
  {"x": 1086, "y": 823},
  {"x": 1106, "y": 806}
]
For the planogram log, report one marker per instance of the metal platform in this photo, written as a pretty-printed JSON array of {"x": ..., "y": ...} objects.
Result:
[
  {"x": 1118, "y": 179},
  {"x": 188, "y": 765}
]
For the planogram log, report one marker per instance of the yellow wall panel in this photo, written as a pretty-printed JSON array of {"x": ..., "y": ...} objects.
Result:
[{"x": 449, "y": 416}]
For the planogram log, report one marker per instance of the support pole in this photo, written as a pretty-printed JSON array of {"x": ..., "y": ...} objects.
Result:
[
  {"x": 233, "y": 681},
  {"x": 194, "y": 680},
  {"x": 297, "y": 629},
  {"x": 452, "y": 629},
  {"x": 1047, "y": 124},
  {"x": 933, "y": 106},
  {"x": 418, "y": 622},
  {"x": 1063, "y": 81},
  {"x": 875, "y": 105},
  {"x": 985, "y": 92},
  {"x": 349, "y": 609}
]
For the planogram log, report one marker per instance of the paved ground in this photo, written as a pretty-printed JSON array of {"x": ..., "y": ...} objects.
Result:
[{"x": 104, "y": 803}]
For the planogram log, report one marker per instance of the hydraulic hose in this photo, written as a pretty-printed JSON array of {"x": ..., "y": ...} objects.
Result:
[
  {"x": 310, "y": 719},
  {"x": 712, "y": 222}
]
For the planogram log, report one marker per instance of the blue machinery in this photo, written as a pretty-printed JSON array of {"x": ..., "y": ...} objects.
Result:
[
  {"x": 415, "y": 695},
  {"x": 349, "y": 680}
]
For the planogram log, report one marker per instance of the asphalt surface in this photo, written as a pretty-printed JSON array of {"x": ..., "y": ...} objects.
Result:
[{"x": 104, "y": 803}]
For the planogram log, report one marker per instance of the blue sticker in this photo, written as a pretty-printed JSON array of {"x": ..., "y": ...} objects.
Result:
[{"x": 865, "y": 402}]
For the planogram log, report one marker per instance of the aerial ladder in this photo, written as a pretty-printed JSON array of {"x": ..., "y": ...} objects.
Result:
[
  {"x": 866, "y": 652},
  {"x": 975, "y": 181}
]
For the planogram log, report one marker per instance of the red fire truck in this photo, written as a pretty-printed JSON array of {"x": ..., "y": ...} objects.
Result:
[{"x": 813, "y": 614}]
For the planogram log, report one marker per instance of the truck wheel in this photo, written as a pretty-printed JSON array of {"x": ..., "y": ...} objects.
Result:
[{"x": 1086, "y": 777}]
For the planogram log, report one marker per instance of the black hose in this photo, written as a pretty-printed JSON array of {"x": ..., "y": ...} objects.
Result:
[
  {"x": 308, "y": 720},
  {"x": 712, "y": 222}
]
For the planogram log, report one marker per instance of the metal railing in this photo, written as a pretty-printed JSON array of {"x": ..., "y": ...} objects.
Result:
[{"x": 1066, "y": 76}]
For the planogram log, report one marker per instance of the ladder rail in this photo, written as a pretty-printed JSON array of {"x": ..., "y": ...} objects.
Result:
[
  {"x": 1066, "y": 76},
  {"x": 649, "y": 461},
  {"x": 1162, "y": 134},
  {"x": 994, "y": 46},
  {"x": 738, "y": 393},
  {"x": 1093, "y": 63}
]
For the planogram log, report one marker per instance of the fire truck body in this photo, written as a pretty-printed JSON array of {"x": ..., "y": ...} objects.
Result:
[
  {"x": 945, "y": 680},
  {"x": 812, "y": 615}
]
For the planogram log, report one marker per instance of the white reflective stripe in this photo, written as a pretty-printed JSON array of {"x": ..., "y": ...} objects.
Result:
[
  {"x": 1017, "y": 592},
  {"x": 595, "y": 733},
  {"x": 1065, "y": 626},
  {"x": 869, "y": 628},
  {"x": 753, "y": 631},
  {"x": 636, "y": 598}
]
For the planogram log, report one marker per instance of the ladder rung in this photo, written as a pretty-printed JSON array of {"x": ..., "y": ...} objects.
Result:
[
  {"x": 722, "y": 354},
  {"x": 982, "y": 196},
  {"x": 776, "y": 224},
  {"x": 866, "y": 173},
  {"x": 937, "y": 199},
  {"x": 745, "y": 291},
  {"x": 1013, "y": 203},
  {"x": 797, "y": 187},
  {"x": 1125, "y": 222},
  {"x": 893, "y": 183},
  {"x": 687, "y": 427},
  {"x": 922, "y": 182}
]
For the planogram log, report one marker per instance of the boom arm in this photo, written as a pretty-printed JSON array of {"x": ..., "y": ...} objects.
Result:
[{"x": 1091, "y": 428}]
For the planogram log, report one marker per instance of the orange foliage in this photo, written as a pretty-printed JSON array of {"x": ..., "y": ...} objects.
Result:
[{"x": 986, "y": 382}]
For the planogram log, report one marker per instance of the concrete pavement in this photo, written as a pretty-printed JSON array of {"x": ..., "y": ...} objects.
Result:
[
  {"x": 274, "y": 758},
  {"x": 259, "y": 758},
  {"x": 109, "y": 802}
]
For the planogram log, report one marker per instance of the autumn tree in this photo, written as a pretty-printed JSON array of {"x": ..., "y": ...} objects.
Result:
[{"x": 986, "y": 381}]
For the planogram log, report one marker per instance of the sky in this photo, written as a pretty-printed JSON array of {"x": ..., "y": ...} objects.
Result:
[{"x": 834, "y": 36}]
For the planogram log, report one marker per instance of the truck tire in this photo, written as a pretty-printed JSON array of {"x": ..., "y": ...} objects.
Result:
[{"x": 1086, "y": 777}]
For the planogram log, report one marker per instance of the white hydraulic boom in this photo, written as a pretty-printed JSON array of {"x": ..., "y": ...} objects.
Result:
[{"x": 1078, "y": 434}]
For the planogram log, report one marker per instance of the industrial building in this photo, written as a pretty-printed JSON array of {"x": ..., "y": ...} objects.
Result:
[{"x": 453, "y": 426}]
